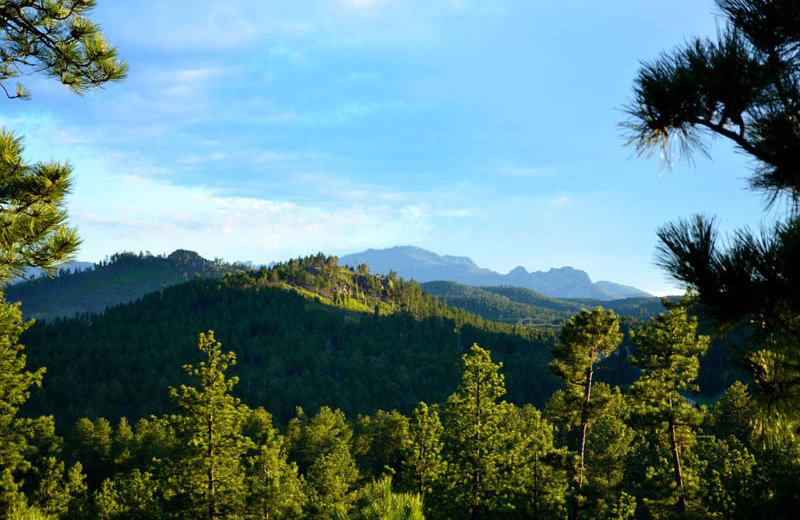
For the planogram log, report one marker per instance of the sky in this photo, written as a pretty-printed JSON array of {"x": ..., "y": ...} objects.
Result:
[{"x": 262, "y": 131}]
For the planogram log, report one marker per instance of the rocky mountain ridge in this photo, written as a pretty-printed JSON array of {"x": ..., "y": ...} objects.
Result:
[{"x": 425, "y": 266}]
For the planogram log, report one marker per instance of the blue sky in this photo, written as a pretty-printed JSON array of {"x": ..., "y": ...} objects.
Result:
[{"x": 259, "y": 131}]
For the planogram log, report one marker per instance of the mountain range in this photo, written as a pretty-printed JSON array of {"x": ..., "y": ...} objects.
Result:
[{"x": 425, "y": 266}]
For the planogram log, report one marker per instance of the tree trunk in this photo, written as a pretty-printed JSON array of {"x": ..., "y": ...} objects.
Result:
[
  {"x": 676, "y": 462},
  {"x": 211, "y": 504},
  {"x": 536, "y": 487},
  {"x": 582, "y": 438},
  {"x": 477, "y": 476}
]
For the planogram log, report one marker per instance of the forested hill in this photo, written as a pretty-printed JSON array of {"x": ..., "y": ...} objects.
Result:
[
  {"x": 510, "y": 304},
  {"x": 307, "y": 333},
  {"x": 121, "y": 278}
]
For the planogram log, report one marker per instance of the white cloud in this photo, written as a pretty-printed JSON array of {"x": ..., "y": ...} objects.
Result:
[
  {"x": 557, "y": 201},
  {"x": 193, "y": 75},
  {"x": 153, "y": 215}
]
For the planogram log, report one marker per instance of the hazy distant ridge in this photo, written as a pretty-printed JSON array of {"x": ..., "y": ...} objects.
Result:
[{"x": 426, "y": 266}]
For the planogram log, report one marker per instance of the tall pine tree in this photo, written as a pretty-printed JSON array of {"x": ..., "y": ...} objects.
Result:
[
  {"x": 668, "y": 352},
  {"x": 584, "y": 341},
  {"x": 205, "y": 475}
]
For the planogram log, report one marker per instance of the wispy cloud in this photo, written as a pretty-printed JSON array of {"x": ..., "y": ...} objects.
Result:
[
  {"x": 514, "y": 170},
  {"x": 157, "y": 216},
  {"x": 203, "y": 159}
]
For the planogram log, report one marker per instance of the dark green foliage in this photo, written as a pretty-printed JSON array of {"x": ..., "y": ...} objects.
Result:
[
  {"x": 124, "y": 277},
  {"x": 380, "y": 442},
  {"x": 293, "y": 347},
  {"x": 745, "y": 87},
  {"x": 33, "y": 230},
  {"x": 505, "y": 304},
  {"x": 509, "y": 304},
  {"x": 322, "y": 448},
  {"x": 669, "y": 348},
  {"x": 377, "y": 501},
  {"x": 204, "y": 474}
]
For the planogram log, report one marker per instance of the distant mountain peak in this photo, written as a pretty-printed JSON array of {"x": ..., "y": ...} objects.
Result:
[
  {"x": 518, "y": 271},
  {"x": 425, "y": 266},
  {"x": 184, "y": 255}
]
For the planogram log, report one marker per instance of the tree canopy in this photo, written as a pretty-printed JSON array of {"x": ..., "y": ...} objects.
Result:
[
  {"x": 743, "y": 86},
  {"x": 55, "y": 38}
]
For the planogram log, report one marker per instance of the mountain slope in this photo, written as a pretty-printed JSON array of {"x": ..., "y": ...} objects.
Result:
[
  {"x": 123, "y": 278},
  {"x": 306, "y": 333},
  {"x": 624, "y": 291},
  {"x": 425, "y": 266}
]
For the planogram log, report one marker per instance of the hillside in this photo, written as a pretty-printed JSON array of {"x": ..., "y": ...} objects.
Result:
[
  {"x": 122, "y": 278},
  {"x": 307, "y": 333},
  {"x": 505, "y": 304},
  {"x": 425, "y": 266},
  {"x": 527, "y": 307}
]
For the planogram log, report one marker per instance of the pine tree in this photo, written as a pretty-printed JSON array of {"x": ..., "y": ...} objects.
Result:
[
  {"x": 380, "y": 442},
  {"x": 474, "y": 430},
  {"x": 423, "y": 464},
  {"x": 15, "y": 383},
  {"x": 58, "y": 39},
  {"x": 321, "y": 447},
  {"x": 668, "y": 350},
  {"x": 538, "y": 489},
  {"x": 584, "y": 341},
  {"x": 274, "y": 487},
  {"x": 206, "y": 477},
  {"x": 128, "y": 496},
  {"x": 377, "y": 501},
  {"x": 743, "y": 86}
]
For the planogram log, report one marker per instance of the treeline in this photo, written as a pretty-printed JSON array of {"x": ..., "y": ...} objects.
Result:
[{"x": 592, "y": 451}]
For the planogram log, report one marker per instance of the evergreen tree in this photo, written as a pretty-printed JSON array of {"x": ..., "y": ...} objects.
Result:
[
  {"x": 205, "y": 475},
  {"x": 58, "y": 39},
  {"x": 586, "y": 339},
  {"x": 423, "y": 463},
  {"x": 274, "y": 488},
  {"x": 745, "y": 87},
  {"x": 729, "y": 482},
  {"x": 15, "y": 383},
  {"x": 538, "y": 489},
  {"x": 474, "y": 430},
  {"x": 128, "y": 496},
  {"x": 668, "y": 348},
  {"x": 377, "y": 501},
  {"x": 381, "y": 441},
  {"x": 321, "y": 447},
  {"x": 732, "y": 414}
]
